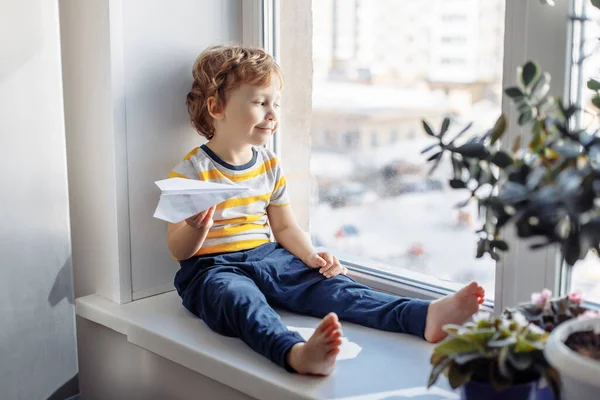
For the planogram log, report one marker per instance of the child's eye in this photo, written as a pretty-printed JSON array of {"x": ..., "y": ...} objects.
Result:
[
  {"x": 261, "y": 103},
  {"x": 277, "y": 106}
]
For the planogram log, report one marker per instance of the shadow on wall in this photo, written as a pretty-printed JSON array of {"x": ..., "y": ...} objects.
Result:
[
  {"x": 68, "y": 391},
  {"x": 63, "y": 285}
]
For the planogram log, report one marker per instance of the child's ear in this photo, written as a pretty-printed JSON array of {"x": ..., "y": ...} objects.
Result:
[{"x": 214, "y": 108}]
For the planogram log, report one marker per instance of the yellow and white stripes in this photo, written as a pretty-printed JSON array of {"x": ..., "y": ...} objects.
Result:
[{"x": 241, "y": 222}]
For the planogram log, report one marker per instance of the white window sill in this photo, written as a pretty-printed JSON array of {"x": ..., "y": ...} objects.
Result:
[{"x": 389, "y": 365}]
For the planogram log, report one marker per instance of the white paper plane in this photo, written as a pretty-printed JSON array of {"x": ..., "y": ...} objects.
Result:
[{"x": 181, "y": 198}]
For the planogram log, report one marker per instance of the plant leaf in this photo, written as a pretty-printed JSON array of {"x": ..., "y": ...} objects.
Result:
[
  {"x": 525, "y": 117},
  {"x": 516, "y": 144},
  {"x": 500, "y": 245},
  {"x": 428, "y": 129},
  {"x": 593, "y": 84},
  {"x": 455, "y": 345},
  {"x": 437, "y": 370},
  {"x": 498, "y": 129},
  {"x": 502, "y": 159},
  {"x": 514, "y": 92},
  {"x": 445, "y": 125},
  {"x": 503, "y": 342},
  {"x": 456, "y": 377},
  {"x": 472, "y": 149},
  {"x": 457, "y": 184},
  {"x": 435, "y": 156},
  {"x": 426, "y": 149},
  {"x": 463, "y": 359},
  {"x": 530, "y": 74}
]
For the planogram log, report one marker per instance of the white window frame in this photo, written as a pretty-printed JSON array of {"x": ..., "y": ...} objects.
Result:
[{"x": 532, "y": 32}]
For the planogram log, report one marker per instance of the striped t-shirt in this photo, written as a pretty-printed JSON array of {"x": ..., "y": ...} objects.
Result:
[{"x": 240, "y": 222}]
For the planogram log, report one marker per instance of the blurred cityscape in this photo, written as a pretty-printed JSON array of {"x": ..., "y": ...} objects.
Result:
[{"x": 380, "y": 68}]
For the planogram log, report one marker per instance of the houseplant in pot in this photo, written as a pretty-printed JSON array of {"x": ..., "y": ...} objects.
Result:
[
  {"x": 493, "y": 358},
  {"x": 550, "y": 314},
  {"x": 547, "y": 188}
]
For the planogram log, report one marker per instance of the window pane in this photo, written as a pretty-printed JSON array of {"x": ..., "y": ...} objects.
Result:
[
  {"x": 380, "y": 67},
  {"x": 585, "y": 276}
]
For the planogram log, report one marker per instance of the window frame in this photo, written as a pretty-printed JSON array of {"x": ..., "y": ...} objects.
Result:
[{"x": 531, "y": 32}]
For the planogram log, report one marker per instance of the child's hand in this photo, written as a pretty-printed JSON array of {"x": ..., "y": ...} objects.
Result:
[
  {"x": 202, "y": 220},
  {"x": 328, "y": 265}
]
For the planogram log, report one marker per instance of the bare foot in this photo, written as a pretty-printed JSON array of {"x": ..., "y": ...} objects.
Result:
[
  {"x": 452, "y": 309},
  {"x": 317, "y": 356}
]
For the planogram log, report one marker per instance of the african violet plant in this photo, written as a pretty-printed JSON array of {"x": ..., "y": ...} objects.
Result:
[
  {"x": 504, "y": 352},
  {"x": 547, "y": 312}
]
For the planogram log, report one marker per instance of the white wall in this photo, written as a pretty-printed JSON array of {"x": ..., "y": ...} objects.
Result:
[
  {"x": 127, "y": 70},
  {"x": 37, "y": 335},
  {"x": 161, "y": 40}
]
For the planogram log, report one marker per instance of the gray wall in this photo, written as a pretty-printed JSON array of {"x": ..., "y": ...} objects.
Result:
[{"x": 37, "y": 335}]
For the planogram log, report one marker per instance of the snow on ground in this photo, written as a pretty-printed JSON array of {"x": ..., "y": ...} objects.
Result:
[{"x": 390, "y": 226}]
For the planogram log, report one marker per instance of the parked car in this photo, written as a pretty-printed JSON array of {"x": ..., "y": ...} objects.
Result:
[{"x": 347, "y": 193}]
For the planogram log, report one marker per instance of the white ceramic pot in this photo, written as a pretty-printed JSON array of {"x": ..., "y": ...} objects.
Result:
[{"x": 580, "y": 376}]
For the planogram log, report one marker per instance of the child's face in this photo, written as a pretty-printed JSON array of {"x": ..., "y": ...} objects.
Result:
[{"x": 251, "y": 114}]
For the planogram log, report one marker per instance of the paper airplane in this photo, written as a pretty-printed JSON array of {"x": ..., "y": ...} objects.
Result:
[{"x": 182, "y": 198}]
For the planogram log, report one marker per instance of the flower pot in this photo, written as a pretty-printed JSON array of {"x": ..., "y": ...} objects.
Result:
[
  {"x": 477, "y": 390},
  {"x": 579, "y": 375}
]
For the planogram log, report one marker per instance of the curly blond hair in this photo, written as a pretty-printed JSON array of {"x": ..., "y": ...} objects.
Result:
[{"x": 220, "y": 69}]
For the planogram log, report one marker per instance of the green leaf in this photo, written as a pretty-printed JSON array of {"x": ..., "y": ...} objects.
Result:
[
  {"x": 503, "y": 342},
  {"x": 593, "y": 84},
  {"x": 457, "y": 184},
  {"x": 457, "y": 377},
  {"x": 445, "y": 125},
  {"x": 530, "y": 74},
  {"x": 498, "y": 129},
  {"x": 435, "y": 156},
  {"x": 502, "y": 366},
  {"x": 476, "y": 150},
  {"x": 426, "y": 149},
  {"x": 484, "y": 323},
  {"x": 595, "y": 3},
  {"x": 502, "y": 159},
  {"x": 524, "y": 346},
  {"x": 455, "y": 346},
  {"x": 526, "y": 117},
  {"x": 516, "y": 144},
  {"x": 437, "y": 370},
  {"x": 596, "y": 101},
  {"x": 500, "y": 245},
  {"x": 428, "y": 129},
  {"x": 541, "y": 86},
  {"x": 463, "y": 359},
  {"x": 514, "y": 92},
  {"x": 520, "y": 361}
]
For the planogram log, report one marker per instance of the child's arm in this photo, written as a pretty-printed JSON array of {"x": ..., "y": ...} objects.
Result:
[
  {"x": 288, "y": 233},
  {"x": 185, "y": 238},
  {"x": 293, "y": 239}
]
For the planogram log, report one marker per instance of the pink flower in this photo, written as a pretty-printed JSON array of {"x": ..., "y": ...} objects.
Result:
[
  {"x": 575, "y": 297},
  {"x": 541, "y": 298}
]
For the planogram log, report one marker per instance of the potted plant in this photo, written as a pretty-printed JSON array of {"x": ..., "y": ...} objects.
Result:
[
  {"x": 548, "y": 313},
  {"x": 493, "y": 358},
  {"x": 549, "y": 190}
]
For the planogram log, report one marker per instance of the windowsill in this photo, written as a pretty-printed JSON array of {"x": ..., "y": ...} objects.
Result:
[{"x": 389, "y": 364}]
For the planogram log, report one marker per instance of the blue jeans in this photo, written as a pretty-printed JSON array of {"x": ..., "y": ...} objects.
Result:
[{"x": 233, "y": 293}]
